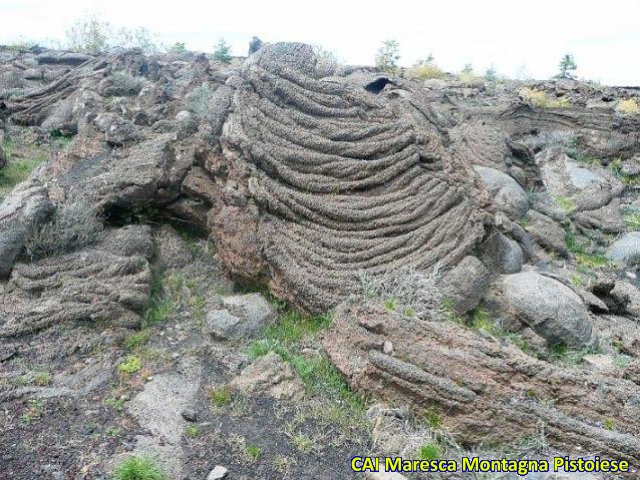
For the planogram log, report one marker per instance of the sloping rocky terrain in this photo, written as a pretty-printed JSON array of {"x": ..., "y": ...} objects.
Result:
[{"x": 274, "y": 265}]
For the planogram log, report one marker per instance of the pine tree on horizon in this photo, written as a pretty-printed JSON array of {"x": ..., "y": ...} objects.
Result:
[{"x": 567, "y": 67}]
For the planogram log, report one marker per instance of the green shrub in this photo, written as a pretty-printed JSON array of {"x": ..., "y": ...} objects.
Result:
[
  {"x": 138, "y": 468},
  {"x": 125, "y": 84},
  {"x": 74, "y": 225},
  {"x": 199, "y": 102}
]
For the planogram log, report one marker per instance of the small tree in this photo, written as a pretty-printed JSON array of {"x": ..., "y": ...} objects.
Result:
[
  {"x": 222, "y": 53},
  {"x": 567, "y": 67},
  {"x": 93, "y": 35},
  {"x": 467, "y": 69},
  {"x": 139, "y": 37},
  {"x": 178, "y": 48},
  {"x": 388, "y": 56},
  {"x": 89, "y": 34},
  {"x": 491, "y": 75},
  {"x": 427, "y": 61}
]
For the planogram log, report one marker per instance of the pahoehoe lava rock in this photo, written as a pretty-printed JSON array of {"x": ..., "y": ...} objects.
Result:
[
  {"x": 327, "y": 178},
  {"x": 488, "y": 388}
]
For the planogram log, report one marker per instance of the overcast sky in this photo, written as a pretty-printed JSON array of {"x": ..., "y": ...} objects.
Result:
[{"x": 517, "y": 37}]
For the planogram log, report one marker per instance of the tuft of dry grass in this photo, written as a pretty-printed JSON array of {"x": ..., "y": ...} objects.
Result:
[
  {"x": 425, "y": 71},
  {"x": 627, "y": 107},
  {"x": 540, "y": 99}
]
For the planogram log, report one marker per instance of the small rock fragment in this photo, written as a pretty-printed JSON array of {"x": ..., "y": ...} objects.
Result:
[
  {"x": 600, "y": 363},
  {"x": 189, "y": 414},
  {"x": 217, "y": 473}
]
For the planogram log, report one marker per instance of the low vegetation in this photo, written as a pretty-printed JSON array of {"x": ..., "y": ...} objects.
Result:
[
  {"x": 632, "y": 219},
  {"x": 468, "y": 78},
  {"x": 74, "y": 225},
  {"x": 254, "y": 452},
  {"x": 18, "y": 168},
  {"x": 220, "y": 396},
  {"x": 388, "y": 55},
  {"x": 430, "y": 451},
  {"x": 540, "y": 99},
  {"x": 131, "y": 365},
  {"x": 33, "y": 412},
  {"x": 425, "y": 70},
  {"x": 161, "y": 306},
  {"x": 125, "y": 84},
  {"x": 91, "y": 34},
  {"x": 199, "y": 102},
  {"x": 222, "y": 52},
  {"x": 138, "y": 468},
  {"x": 330, "y": 404},
  {"x": 192, "y": 431},
  {"x": 627, "y": 107},
  {"x": 585, "y": 254}
]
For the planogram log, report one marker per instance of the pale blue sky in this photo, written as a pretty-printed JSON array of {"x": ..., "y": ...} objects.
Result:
[{"x": 603, "y": 36}]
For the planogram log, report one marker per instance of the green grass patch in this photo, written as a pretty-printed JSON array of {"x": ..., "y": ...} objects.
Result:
[
  {"x": 220, "y": 396},
  {"x": 563, "y": 353},
  {"x": 138, "y": 468},
  {"x": 294, "y": 327},
  {"x": 192, "y": 431},
  {"x": 596, "y": 260},
  {"x": 577, "y": 280},
  {"x": 321, "y": 377},
  {"x": 408, "y": 312},
  {"x": 317, "y": 373},
  {"x": 583, "y": 258},
  {"x": 34, "y": 412},
  {"x": 303, "y": 443},
  {"x": 160, "y": 307},
  {"x": 391, "y": 304},
  {"x": 565, "y": 203},
  {"x": 430, "y": 451},
  {"x": 433, "y": 419},
  {"x": 131, "y": 365},
  {"x": 254, "y": 452},
  {"x": 608, "y": 424},
  {"x": 116, "y": 403},
  {"x": 136, "y": 340},
  {"x": 17, "y": 169},
  {"x": 632, "y": 220},
  {"x": 42, "y": 379}
]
